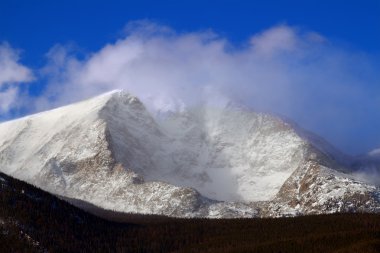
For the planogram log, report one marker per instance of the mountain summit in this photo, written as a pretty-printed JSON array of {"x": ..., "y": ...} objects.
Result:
[{"x": 204, "y": 161}]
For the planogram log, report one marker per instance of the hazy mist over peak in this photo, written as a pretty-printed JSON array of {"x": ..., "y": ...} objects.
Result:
[{"x": 284, "y": 69}]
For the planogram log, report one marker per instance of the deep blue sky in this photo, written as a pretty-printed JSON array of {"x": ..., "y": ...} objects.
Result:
[{"x": 36, "y": 26}]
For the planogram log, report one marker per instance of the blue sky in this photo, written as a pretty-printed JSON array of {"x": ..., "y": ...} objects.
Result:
[
  {"x": 75, "y": 33},
  {"x": 35, "y": 26}
]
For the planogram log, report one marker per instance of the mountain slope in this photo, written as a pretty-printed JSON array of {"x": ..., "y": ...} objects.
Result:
[{"x": 205, "y": 161}]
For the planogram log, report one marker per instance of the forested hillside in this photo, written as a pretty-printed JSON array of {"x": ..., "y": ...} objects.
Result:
[{"x": 34, "y": 221}]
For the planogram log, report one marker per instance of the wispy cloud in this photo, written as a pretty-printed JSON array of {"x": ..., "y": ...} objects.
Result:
[
  {"x": 12, "y": 73},
  {"x": 370, "y": 175}
]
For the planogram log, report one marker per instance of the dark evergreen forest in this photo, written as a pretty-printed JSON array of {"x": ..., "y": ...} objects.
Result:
[{"x": 32, "y": 220}]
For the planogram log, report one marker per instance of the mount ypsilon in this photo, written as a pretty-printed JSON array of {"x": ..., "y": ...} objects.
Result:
[{"x": 200, "y": 161}]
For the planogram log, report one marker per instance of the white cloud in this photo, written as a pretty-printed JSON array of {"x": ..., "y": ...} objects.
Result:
[
  {"x": 284, "y": 69},
  {"x": 279, "y": 38},
  {"x": 375, "y": 153},
  {"x": 10, "y": 70},
  {"x": 11, "y": 74},
  {"x": 8, "y": 98}
]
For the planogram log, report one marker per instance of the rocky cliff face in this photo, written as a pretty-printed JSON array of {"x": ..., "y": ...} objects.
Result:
[{"x": 205, "y": 161}]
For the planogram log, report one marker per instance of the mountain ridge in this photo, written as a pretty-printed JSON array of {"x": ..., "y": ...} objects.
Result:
[{"x": 200, "y": 162}]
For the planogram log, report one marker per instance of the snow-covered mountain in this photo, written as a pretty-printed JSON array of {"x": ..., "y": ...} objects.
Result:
[{"x": 211, "y": 160}]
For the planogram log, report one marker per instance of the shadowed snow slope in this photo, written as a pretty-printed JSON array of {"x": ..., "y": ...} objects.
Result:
[{"x": 210, "y": 160}]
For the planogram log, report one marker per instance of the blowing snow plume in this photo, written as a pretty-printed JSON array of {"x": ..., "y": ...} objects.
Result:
[{"x": 283, "y": 70}]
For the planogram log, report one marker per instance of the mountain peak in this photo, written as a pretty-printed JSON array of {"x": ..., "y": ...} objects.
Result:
[
  {"x": 211, "y": 161},
  {"x": 117, "y": 94},
  {"x": 115, "y": 91}
]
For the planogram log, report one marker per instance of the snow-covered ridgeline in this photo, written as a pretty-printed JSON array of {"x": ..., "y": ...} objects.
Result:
[{"x": 113, "y": 152}]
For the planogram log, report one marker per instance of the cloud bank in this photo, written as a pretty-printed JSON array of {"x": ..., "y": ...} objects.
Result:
[
  {"x": 12, "y": 73},
  {"x": 285, "y": 70}
]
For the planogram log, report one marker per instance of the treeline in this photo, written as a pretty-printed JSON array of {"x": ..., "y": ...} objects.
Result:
[{"x": 34, "y": 221}]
